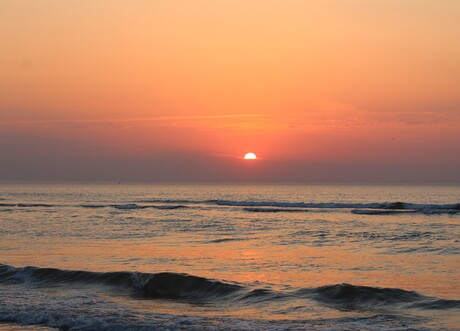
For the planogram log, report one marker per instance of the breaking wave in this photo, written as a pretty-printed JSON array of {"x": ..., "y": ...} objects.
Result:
[
  {"x": 157, "y": 285},
  {"x": 353, "y": 297},
  {"x": 168, "y": 285}
]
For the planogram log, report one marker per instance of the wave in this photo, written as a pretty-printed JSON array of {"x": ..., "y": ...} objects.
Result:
[
  {"x": 173, "y": 285},
  {"x": 329, "y": 205},
  {"x": 357, "y": 207},
  {"x": 93, "y": 206},
  {"x": 132, "y": 206},
  {"x": 381, "y": 211},
  {"x": 170, "y": 207},
  {"x": 273, "y": 210},
  {"x": 128, "y": 206},
  {"x": 221, "y": 240},
  {"x": 169, "y": 285},
  {"x": 369, "y": 208},
  {"x": 116, "y": 206},
  {"x": 8, "y": 204},
  {"x": 25, "y": 205},
  {"x": 157, "y": 285},
  {"x": 352, "y": 297},
  {"x": 179, "y": 201}
]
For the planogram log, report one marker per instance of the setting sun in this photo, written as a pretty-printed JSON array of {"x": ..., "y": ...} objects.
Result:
[{"x": 250, "y": 156}]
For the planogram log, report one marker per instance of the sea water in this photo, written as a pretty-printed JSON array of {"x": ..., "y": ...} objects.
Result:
[{"x": 229, "y": 257}]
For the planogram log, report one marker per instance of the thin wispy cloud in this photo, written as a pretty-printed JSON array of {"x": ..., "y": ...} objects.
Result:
[{"x": 135, "y": 119}]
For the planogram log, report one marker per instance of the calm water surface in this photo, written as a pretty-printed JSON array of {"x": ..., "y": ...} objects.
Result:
[{"x": 233, "y": 257}]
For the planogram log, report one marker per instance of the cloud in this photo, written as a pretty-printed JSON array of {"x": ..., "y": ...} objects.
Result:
[
  {"x": 134, "y": 119},
  {"x": 431, "y": 117}
]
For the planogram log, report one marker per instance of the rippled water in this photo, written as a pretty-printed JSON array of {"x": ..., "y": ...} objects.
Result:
[{"x": 230, "y": 257}]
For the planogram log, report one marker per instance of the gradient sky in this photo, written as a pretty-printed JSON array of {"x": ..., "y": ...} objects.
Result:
[{"x": 163, "y": 90}]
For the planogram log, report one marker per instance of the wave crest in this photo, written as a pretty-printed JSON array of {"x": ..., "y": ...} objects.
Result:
[
  {"x": 353, "y": 297},
  {"x": 172, "y": 285}
]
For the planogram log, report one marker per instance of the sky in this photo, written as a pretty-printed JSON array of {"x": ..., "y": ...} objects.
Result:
[{"x": 177, "y": 90}]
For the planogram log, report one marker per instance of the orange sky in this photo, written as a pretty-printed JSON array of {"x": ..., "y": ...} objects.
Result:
[{"x": 367, "y": 90}]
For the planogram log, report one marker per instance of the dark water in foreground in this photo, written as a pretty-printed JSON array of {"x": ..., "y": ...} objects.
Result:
[{"x": 229, "y": 257}]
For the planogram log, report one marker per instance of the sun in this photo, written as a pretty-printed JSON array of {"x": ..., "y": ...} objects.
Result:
[{"x": 250, "y": 156}]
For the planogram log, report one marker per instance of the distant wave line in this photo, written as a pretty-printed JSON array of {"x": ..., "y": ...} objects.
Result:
[{"x": 370, "y": 208}]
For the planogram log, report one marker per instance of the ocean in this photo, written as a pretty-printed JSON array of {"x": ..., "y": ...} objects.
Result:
[{"x": 229, "y": 257}]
